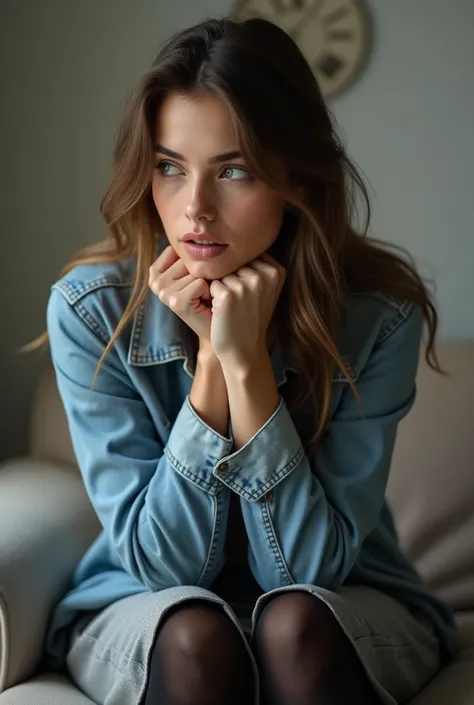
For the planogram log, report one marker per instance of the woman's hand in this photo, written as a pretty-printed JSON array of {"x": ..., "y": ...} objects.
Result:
[
  {"x": 186, "y": 296},
  {"x": 243, "y": 304}
]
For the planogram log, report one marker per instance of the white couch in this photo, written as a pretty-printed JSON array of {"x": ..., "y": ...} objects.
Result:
[{"x": 46, "y": 524}]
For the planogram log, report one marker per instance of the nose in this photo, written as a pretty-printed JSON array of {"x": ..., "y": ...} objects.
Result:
[{"x": 201, "y": 204}]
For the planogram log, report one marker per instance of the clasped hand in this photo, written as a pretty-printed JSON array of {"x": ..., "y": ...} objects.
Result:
[{"x": 232, "y": 314}]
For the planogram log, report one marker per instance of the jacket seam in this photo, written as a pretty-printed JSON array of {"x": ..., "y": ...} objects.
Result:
[
  {"x": 404, "y": 313},
  {"x": 90, "y": 321},
  {"x": 273, "y": 544},
  {"x": 106, "y": 647},
  {"x": 74, "y": 294},
  {"x": 270, "y": 483},
  {"x": 211, "y": 486},
  {"x": 213, "y": 544}
]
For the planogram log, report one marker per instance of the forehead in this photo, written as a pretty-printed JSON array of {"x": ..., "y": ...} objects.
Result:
[{"x": 191, "y": 123}]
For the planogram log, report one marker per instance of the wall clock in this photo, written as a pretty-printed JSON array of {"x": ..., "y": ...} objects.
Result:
[{"x": 332, "y": 34}]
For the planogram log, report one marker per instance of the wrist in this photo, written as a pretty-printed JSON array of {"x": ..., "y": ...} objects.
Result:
[
  {"x": 246, "y": 369},
  {"x": 206, "y": 356}
]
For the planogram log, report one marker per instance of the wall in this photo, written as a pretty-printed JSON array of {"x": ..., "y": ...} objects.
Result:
[{"x": 65, "y": 67}]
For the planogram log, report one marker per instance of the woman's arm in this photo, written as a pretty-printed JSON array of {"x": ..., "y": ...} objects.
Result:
[
  {"x": 153, "y": 490},
  {"x": 252, "y": 396},
  {"x": 208, "y": 394},
  {"x": 307, "y": 516}
]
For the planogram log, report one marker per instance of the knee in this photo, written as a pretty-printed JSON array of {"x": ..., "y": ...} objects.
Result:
[
  {"x": 195, "y": 632},
  {"x": 199, "y": 657},
  {"x": 295, "y": 624}
]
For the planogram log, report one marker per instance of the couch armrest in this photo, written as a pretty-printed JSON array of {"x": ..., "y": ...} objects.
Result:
[
  {"x": 46, "y": 525},
  {"x": 455, "y": 683}
]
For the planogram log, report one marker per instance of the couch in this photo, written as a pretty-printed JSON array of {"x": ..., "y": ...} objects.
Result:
[{"x": 47, "y": 522}]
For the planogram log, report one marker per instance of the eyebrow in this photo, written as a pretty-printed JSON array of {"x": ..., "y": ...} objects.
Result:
[{"x": 227, "y": 156}]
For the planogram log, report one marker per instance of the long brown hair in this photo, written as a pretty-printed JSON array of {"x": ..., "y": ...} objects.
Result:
[{"x": 279, "y": 113}]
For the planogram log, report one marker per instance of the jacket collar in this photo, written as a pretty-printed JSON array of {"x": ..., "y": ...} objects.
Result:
[{"x": 159, "y": 336}]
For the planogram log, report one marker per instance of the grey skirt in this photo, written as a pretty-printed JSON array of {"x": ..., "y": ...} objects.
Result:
[{"x": 110, "y": 650}]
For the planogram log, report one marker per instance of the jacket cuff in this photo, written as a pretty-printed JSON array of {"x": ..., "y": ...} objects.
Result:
[
  {"x": 194, "y": 448},
  {"x": 273, "y": 452}
]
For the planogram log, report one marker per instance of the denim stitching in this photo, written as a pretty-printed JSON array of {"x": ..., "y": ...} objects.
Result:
[
  {"x": 101, "y": 657},
  {"x": 228, "y": 441},
  {"x": 387, "y": 645},
  {"x": 403, "y": 315},
  {"x": 211, "y": 486},
  {"x": 217, "y": 499},
  {"x": 273, "y": 543},
  {"x": 175, "y": 352},
  {"x": 271, "y": 482},
  {"x": 74, "y": 293},
  {"x": 91, "y": 322}
]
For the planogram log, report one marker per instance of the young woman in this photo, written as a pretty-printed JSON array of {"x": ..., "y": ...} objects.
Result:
[{"x": 234, "y": 362}]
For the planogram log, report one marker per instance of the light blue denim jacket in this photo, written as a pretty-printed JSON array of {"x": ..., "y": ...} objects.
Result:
[{"x": 160, "y": 479}]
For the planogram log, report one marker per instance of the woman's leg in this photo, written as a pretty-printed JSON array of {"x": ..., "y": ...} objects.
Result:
[
  {"x": 304, "y": 657},
  {"x": 199, "y": 658}
]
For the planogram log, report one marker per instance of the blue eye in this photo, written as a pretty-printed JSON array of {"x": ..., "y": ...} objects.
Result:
[
  {"x": 228, "y": 169},
  {"x": 164, "y": 168}
]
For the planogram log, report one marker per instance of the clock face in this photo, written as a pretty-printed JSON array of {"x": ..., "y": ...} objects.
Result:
[{"x": 332, "y": 34}]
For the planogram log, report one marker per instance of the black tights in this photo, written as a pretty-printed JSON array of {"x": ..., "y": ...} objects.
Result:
[{"x": 304, "y": 658}]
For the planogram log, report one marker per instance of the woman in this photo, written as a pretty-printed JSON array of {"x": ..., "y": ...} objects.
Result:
[{"x": 233, "y": 364}]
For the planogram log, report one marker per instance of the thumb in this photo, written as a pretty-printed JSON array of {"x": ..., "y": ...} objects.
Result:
[{"x": 198, "y": 293}]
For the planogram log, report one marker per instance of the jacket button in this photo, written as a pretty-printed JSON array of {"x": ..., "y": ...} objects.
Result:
[
  {"x": 268, "y": 496},
  {"x": 223, "y": 467}
]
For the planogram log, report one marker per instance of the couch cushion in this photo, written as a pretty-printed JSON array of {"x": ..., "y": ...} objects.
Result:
[
  {"x": 46, "y": 689},
  {"x": 431, "y": 489},
  {"x": 46, "y": 524},
  {"x": 455, "y": 684}
]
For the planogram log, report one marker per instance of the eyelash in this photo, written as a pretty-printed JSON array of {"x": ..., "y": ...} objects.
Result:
[{"x": 164, "y": 162}]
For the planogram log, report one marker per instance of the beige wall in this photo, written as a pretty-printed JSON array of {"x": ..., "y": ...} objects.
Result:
[{"x": 65, "y": 67}]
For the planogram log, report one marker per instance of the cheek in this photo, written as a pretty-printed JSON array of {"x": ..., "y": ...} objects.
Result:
[
  {"x": 159, "y": 200},
  {"x": 259, "y": 219},
  {"x": 166, "y": 202}
]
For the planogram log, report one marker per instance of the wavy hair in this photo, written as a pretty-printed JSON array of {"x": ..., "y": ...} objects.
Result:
[{"x": 279, "y": 113}]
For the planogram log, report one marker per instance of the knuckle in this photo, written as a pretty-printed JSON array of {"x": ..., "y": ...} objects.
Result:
[
  {"x": 274, "y": 274},
  {"x": 255, "y": 282},
  {"x": 173, "y": 302}
]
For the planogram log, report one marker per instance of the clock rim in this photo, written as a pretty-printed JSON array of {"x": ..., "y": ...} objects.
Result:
[{"x": 359, "y": 65}]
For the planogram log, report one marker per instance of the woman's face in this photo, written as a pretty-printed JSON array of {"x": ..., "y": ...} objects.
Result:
[{"x": 203, "y": 190}]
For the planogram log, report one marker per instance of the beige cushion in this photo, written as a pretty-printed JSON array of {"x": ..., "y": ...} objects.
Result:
[
  {"x": 46, "y": 689},
  {"x": 455, "y": 684},
  {"x": 431, "y": 489},
  {"x": 46, "y": 525}
]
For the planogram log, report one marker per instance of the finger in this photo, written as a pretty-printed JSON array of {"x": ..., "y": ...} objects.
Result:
[
  {"x": 272, "y": 272},
  {"x": 251, "y": 277},
  {"x": 245, "y": 271},
  {"x": 168, "y": 257},
  {"x": 179, "y": 284},
  {"x": 189, "y": 298},
  {"x": 234, "y": 283},
  {"x": 160, "y": 280},
  {"x": 217, "y": 287},
  {"x": 219, "y": 291},
  {"x": 267, "y": 258},
  {"x": 182, "y": 282}
]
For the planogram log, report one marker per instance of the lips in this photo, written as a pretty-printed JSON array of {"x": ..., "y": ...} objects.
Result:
[{"x": 192, "y": 237}]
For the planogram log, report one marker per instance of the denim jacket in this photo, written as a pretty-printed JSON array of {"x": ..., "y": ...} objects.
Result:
[{"x": 160, "y": 479}]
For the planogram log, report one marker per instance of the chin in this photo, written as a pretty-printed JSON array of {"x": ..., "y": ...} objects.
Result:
[{"x": 209, "y": 270}]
